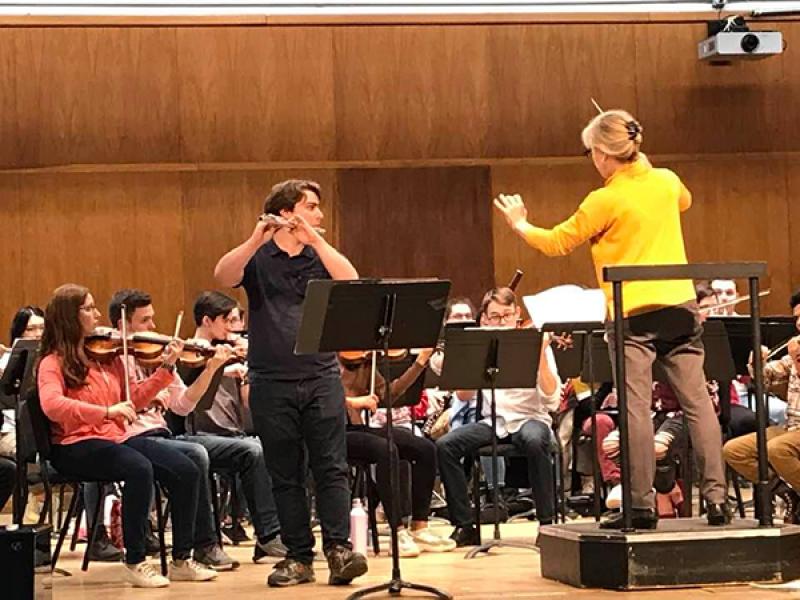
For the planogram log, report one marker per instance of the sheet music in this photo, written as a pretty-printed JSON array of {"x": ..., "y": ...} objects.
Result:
[{"x": 566, "y": 303}]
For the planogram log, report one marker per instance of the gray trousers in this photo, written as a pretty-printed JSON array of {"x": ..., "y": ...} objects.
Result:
[{"x": 669, "y": 340}]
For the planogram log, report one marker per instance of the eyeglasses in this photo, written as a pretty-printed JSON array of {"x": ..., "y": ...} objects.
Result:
[
  {"x": 501, "y": 319},
  {"x": 587, "y": 152}
]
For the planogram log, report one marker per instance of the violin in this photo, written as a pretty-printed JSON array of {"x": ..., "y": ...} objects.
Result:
[
  {"x": 147, "y": 348},
  {"x": 352, "y": 357}
]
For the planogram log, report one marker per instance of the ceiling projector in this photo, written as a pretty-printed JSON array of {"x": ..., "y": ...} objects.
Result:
[{"x": 730, "y": 45}]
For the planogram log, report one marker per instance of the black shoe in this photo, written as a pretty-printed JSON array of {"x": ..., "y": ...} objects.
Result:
[
  {"x": 791, "y": 502},
  {"x": 273, "y": 548},
  {"x": 466, "y": 536},
  {"x": 290, "y": 572},
  {"x": 718, "y": 514},
  {"x": 642, "y": 518},
  {"x": 103, "y": 550},
  {"x": 344, "y": 565},
  {"x": 487, "y": 513},
  {"x": 235, "y": 533}
]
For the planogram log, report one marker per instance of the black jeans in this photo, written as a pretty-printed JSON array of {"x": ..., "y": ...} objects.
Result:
[
  {"x": 8, "y": 475},
  {"x": 180, "y": 475},
  {"x": 301, "y": 424},
  {"x": 369, "y": 445},
  {"x": 108, "y": 461}
]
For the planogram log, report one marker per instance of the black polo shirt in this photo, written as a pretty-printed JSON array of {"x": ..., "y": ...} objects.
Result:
[{"x": 276, "y": 287}]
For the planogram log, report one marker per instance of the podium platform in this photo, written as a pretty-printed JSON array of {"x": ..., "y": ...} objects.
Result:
[{"x": 680, "y": 553}]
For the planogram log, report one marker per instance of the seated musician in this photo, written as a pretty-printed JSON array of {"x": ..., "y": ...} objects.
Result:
[
  {"x": 783, "y": 441},
  {"x": 523, "y": 418},
  {"x": 217, "y": 423},
  {"x": 83, "y": 399},
  {"x": 27, "y": 324},
  {"x": 150, "y": 430},
  {"x": 368, "y": 444}
]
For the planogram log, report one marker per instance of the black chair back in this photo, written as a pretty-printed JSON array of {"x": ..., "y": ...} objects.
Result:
[{"x": 33, "y": 418}]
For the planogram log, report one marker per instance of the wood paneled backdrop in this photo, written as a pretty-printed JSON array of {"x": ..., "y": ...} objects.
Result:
[{"x": 136, "y": 155}]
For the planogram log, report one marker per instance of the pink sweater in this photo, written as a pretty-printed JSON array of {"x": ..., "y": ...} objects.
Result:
[{"x": 80, "y": 414}]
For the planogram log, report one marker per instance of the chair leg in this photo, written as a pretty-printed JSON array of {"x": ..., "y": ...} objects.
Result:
[
  {"x": 161, "y": 518},
  {"x": 215, "y": 506},
  {"x": 78, "y": 515},
  {"x": 476, "y": 494},
  {"x": 60, "y": 506},
  {"x": 372, "y": 503},
  {"x": 94, "y": 527},
  {"x": 737, "y": 491},
  {"x": 65, "y": 525}
]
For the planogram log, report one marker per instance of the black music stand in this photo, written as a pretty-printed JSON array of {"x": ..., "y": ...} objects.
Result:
[
  {"x": 616, "y": 275},
  {"x": 375, "y": 315},
  {"x": 17, "y": 379},
  {"x": 587, "y": 356},
  {"x": 477, "y": 359}
]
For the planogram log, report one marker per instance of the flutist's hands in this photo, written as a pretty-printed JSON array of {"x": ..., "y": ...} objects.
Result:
[
  {"x": 513, "y": 209},
  {"x": 794, "y": 349},
  {"x": 263, "y": 232},
  {"x": 304, "y": 232}
]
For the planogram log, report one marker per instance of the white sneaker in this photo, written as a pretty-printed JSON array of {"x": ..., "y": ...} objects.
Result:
[
  {"x": 406, "y": 544},
  {"x": 614, "y": 498},
  {"x": 189, "y": 570},
  {"x": 430, "y": 542},
  {"x": 145, "y": 575}
]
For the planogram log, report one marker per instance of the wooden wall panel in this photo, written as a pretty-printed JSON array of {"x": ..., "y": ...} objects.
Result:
[
  {"x": 793, "y": 202},
  {"x": 102, "y": 231},
  {"x": 542, "y": 79},
  {"x": 12, "y": 296},
  {"x": 689, "y": 106},
  {"x": 256, "y": 94},
  {"x": 220, "y": 211},
  {"x": 92, "y": 95},
  {"x": 419, "y": 223},
  {"x": 411, "y": 92}
]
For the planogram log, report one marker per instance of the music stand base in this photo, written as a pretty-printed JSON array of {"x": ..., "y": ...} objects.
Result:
[
  {"x": 500, "y": 544},
  {"x": 396, "y": 586}
]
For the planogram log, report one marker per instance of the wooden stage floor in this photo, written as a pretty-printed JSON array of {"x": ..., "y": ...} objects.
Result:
[{"x": 507, "y": 573}]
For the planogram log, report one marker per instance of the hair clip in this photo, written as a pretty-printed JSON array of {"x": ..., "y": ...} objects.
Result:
[{"x": 634, "y": 129}]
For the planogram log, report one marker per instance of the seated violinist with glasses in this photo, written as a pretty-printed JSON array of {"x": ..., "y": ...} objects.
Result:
[{"x": 523, "y": 418}]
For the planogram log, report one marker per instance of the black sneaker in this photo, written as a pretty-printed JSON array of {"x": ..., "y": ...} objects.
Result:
[
  {"x": 344, "y": 565},
  {"x": 274, "y": 548},
  {"x": 718, "y": 514},
  {"x": 290, "y": 572},
  {"x": 214, "y": 557},
  {"x": 235, "y": 533},
  {"x": 466, "y": 536},
  {"x": 103, "y": 550}
]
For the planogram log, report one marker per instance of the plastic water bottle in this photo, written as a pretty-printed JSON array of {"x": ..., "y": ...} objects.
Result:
[{"x": 358, "y": 527}]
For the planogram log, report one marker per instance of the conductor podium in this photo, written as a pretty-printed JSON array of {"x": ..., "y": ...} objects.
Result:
[{"x": 680, "y": 552}]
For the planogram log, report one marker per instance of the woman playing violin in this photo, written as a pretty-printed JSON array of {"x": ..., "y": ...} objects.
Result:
[
  {"x": 86, "y": 404},
  {"x": 364, "y": 387}
]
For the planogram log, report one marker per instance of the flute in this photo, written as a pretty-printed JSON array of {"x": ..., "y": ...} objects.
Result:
[{"x": 277, "y": 221}]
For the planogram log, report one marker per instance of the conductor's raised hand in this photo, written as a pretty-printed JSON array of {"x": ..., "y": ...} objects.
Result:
[{"x": 513, "y": 209}]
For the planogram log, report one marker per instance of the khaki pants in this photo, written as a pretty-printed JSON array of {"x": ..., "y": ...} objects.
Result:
[
  {"x": 670, "y": 339},
  {"x": 783, "y": 453}
]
